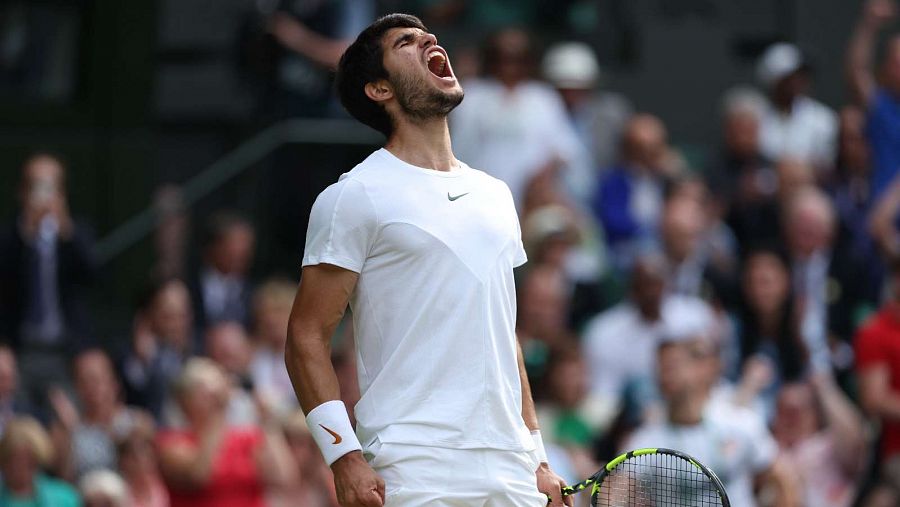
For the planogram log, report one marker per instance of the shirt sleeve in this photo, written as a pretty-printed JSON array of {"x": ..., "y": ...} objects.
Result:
[
  {"x": 869, "y": 349},
  {"x": 519, "y": 257},
  {"x": 342, "y": 227}
]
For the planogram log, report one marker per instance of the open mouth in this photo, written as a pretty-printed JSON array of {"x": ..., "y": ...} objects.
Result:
[{"x": 438, "y": 64}]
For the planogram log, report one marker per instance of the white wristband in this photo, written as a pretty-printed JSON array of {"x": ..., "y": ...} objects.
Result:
[
  {"x": 331, "y": 429},
  {"x": 539, "y": 450}
]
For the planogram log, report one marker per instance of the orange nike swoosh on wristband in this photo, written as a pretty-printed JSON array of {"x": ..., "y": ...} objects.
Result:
[{"x": 337, "y": 438}]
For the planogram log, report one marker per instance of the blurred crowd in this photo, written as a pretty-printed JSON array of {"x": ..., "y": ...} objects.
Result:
[{"x": 746, "y": 312}]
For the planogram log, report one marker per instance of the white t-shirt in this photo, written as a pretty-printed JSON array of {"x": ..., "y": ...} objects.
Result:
[
  {"x": 434, "y": 308},
  {"x": 513, "y": 133},
  {"x": 808, "y": 133},
  {"x": 731, "y": 441},
  {"x": 621, "y": 345}
]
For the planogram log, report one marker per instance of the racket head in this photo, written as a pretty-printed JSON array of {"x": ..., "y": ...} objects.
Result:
[{"x": 654, "y": 477}]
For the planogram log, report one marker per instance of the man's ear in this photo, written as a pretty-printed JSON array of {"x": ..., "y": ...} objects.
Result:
[{"x": 379, "y": 91}]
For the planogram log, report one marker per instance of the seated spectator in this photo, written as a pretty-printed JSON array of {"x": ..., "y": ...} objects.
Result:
[
  {"x": 543, "y": 317},
  {"x": 683, "y": 230},
  {"x": 769, "y": 325},
  {"x": 104, "y": 488},
  {"x": 564, "y": 412},
  {"x": 853, "y": 194},
  {"x": 12, "y": 401},
  {"x": 222, "y": 286},
  {"x": 820, "y": 435},
  {"x": 161, "y": 342},
  {"x": 879, "y": 98},
  {"x": 138, "y": 465},
  {"x": 315, "y": 484},
  {"x": 739, "y": 448},
  {"x": 629, "y": 198},
  {"x": 85, "y": 439},
  {"x": 510, "y": 125},
  {"x": 25, "y": 453},
  {"x": 826, "y": 279},
  {"x": 878, "y": 367},
  {"x": 794, "y": 124},
  {"x": 620, "y": 343},
  {"x": 228, "y": 346},
  {"x": 556, "y": 236},
  {"x": 210, "y": 463},
  {"x": 46, "y": 264},
  {"x": 272, "y": 305}
]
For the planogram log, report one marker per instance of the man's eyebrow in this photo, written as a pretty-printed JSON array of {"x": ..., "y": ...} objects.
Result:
[{"x": 406, "y": 37}]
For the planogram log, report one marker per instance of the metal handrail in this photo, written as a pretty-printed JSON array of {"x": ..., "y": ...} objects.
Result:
[{"x": 233, "y": 163}]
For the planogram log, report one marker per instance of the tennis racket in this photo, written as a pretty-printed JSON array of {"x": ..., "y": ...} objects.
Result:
[{"x": 653, "y": 478}]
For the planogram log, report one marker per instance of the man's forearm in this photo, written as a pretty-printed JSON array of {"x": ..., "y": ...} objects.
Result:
[
  {"x": 529, "y": 414},
  {"x": 308, "y": 361},
  {"x": 859, "y": 61}
]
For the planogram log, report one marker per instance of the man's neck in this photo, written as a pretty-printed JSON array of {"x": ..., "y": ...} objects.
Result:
[
  {"x": 688, "y": 412},
  {"x": 423, "y": 144}
]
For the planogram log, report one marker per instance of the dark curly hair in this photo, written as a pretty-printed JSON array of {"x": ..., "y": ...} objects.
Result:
[{"x": 363, "y": 63}]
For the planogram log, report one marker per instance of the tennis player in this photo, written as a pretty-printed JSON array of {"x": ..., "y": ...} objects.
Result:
[{"x": 422, "y": 247}]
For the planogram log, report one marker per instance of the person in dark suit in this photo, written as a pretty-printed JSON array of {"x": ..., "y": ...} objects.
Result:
[
  {"x": 831, "y": 294},
  {"x": 47, "y": 264},
  {"x": 221, "y": 288}
]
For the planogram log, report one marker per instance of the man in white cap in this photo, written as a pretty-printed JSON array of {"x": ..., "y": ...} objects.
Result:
[
  {"x": 794, "y": 125},
  {"x": 598, "y": 117}
]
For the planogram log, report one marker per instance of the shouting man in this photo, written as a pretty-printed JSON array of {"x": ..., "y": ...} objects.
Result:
[{"x": 422, "y": 247}]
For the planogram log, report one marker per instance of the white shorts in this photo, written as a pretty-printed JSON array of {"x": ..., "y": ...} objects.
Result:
[{"x": 416, "y": 475}]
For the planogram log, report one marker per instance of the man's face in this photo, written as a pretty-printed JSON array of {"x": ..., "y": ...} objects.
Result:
[
  {"x": 420, "y": 74},
  {"x": 678, "y": 374}
]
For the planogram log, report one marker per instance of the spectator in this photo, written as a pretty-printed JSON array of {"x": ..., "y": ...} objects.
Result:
[
  {"x": 852, "y": 194},
  {"x": 598, "y": 117},
  {"x": 221, "y": 291},
  {"x": 272, "y": 305},
  {"x": 12, "y": 403},
  {"x": 25, "y": 452},
  {"x": 210, "y": 463},
  {"x": 315, "y": 484},
  {"x": 566, "y": 413},
  {"x": 743, "y": 181},
  {"x": 625, "y": 368},
  {"x": 825, "y": 276},
  {"x": 227, "y": 345},
  {"x": 629, "y": 199},
  {"x": 852, "y": 190},
  {"x": 820, "y": 435},
  {"x": 162, "y": 340},
  {"x": 85, "y": 439},
  {"x": 510, "y": 125},
  {"x": 104, "y": 488},
  {"x": 138, "y": 465},
  {"x": 880, "y": 100},
  {"x": 739, "y": 449},
  {"x": 543, "y": 315},
  {"x": 46, "y": 264},
  {"x": 311, "y": 37},
  {"x": 683, "y": 231},
  {"x": 769, "y": 324},
  {"x": 878, "y": 367},
  {"x": 794, "y": 124},
  {"x": 555, "y": 236}
]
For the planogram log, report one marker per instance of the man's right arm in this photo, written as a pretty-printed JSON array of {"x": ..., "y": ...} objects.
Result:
[
  {"x": 318, "y": 308},
  {"x": 862, "y": 45}
]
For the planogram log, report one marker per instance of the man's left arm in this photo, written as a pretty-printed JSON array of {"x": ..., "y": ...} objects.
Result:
[{"x": 547, "y": 481}]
